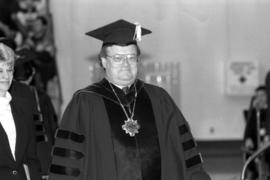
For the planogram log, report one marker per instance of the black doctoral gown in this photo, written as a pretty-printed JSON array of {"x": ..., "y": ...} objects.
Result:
[{"x": 91, "y": 144}]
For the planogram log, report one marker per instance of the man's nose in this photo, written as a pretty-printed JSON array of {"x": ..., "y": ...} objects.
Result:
[{"x": 125, "y": 61}]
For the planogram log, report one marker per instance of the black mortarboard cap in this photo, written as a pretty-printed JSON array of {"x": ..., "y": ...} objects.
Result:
[
  {"x": 8, "y": 42},
  {"x": 119, "y": 32}
]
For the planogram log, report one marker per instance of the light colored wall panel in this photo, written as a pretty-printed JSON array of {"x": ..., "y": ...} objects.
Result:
[{"x": 201, "y": 35}]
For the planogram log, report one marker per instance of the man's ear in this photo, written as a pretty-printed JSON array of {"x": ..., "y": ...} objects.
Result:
[{"x": 103, "y": 62}]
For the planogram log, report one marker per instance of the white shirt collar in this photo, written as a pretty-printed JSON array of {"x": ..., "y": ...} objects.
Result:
[{"x": 5, "y": 100}]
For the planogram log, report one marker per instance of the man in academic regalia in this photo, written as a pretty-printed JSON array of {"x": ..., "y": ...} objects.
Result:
[{"x": 122, "y": 128}]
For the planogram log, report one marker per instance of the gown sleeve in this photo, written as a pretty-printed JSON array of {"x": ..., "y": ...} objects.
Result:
[
  {"x": 183, "y": 143},
  {"x": 69, "y": 152},
  {"x": 31, "y": 159}
]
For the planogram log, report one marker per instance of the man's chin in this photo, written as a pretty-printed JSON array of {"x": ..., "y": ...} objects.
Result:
[{"x": 126, "y": 82}]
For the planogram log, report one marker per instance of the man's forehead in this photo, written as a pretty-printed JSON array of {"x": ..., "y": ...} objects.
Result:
[{"x": 118, "y": 48}]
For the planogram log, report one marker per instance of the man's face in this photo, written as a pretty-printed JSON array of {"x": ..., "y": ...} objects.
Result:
[
  {"x": 260, "y": 101},
  {"x": 38, "y": 28},
  {"x": 124, "y": 72},
  {"x": 261, "y": 96}
]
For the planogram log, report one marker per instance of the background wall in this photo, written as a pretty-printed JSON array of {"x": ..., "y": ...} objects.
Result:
[{"x": 201, "y": 35}]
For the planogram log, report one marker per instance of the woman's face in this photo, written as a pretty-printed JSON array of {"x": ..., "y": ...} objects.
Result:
[
  {"x": 7, "y": 59},
  {"x": 6, "y": 76}
]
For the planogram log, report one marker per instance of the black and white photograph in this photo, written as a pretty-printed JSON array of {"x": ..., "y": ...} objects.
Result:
[{"x": 134, "y": 90}]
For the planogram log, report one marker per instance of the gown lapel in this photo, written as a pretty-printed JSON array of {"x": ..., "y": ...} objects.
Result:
[
  {"x": 103, "y": 89},
  {"x": 19, "y": 129},
  {"x": 4, "y": 142}
]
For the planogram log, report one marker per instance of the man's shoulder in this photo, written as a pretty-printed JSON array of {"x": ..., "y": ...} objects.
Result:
[
  {"x": 154, "y": 89},
  {"x": 151, "y": 86},
  {"x": 158, "y": 95},
  {"x": 88, "y": 92}
]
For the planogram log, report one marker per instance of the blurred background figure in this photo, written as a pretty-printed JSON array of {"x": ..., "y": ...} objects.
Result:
[
  {"x": 29, "y": 24},
  {"x": 38, "y": 41},
  {"x": 23, "y": 15},
  {"x": 45, "y": 117},
  {"x": 267, "y": 84},
  {"x": 8, "y": 27},
  {"x": 256, "y": 133}
]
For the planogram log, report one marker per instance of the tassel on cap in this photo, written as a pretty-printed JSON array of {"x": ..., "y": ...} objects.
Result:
[{"x": 138, "y": 32}]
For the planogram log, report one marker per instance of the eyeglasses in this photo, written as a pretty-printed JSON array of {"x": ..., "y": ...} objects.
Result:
[{"x": 119, "y": 58}]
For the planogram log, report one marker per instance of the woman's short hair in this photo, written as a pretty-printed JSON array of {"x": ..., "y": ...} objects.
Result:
[{"x": 6, "y": 54}]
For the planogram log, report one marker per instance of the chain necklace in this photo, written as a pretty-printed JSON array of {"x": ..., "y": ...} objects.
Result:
[{"x": 130, "y": 126}]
